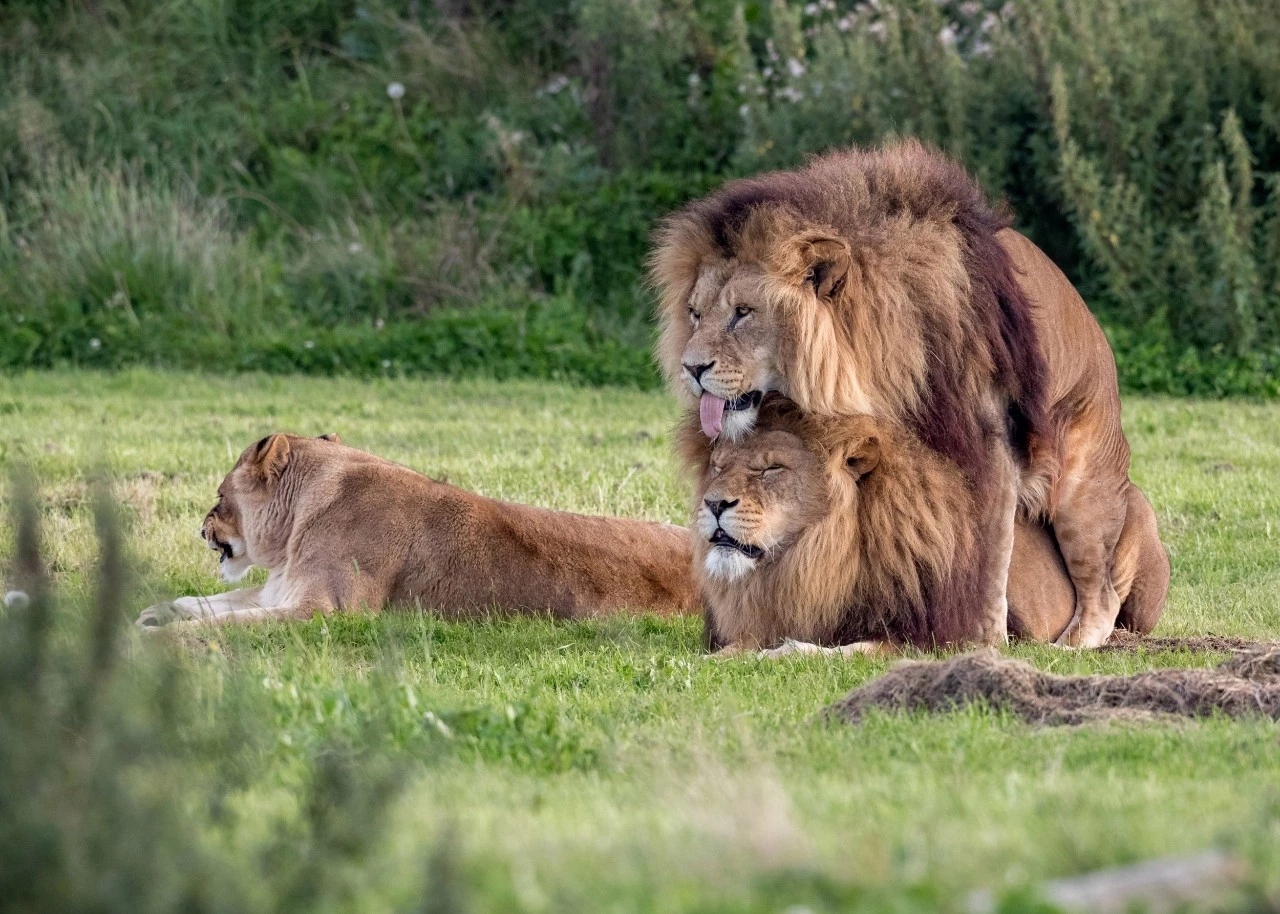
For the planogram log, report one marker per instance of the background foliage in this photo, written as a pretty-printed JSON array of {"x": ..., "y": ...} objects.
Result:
[{"x": 387, "y": 187}]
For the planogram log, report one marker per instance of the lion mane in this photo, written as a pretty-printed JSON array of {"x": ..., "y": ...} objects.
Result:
[
  {"x": 914, "y": 308},
  {"x": 891, "y": 557}
]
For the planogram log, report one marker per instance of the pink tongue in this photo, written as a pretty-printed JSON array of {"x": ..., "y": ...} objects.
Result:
[{"x": 711, "y": 414}]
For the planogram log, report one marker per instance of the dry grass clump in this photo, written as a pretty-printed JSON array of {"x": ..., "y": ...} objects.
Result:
[{"x": 1246, "y": 685}]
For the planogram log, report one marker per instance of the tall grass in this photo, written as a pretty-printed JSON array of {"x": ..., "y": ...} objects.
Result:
[
  {"x": 119, "y": 767},
  {"x": 324, "y": 164}
]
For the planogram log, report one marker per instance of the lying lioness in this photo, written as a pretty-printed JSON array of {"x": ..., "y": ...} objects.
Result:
[
  {"x": 847, "y": 533},
  {"x": 337, "y": 528}
]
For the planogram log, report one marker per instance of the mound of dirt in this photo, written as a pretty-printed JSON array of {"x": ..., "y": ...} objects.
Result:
[
  {"x": 1247, "y": 685},
  {"x": 1121, "y": 640}
]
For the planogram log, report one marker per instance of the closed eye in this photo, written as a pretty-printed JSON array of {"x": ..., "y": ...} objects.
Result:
[
  {"x": 694, "y": 316},
  {"x": 772, "y": 468}
]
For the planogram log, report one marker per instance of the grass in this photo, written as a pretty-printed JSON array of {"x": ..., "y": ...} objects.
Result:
[{"x": 609, "y": 765}]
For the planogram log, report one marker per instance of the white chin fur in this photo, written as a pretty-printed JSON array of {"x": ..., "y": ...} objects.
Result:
[
  {"x": 232, "y": 570},
  {"x": 737, "y": 423},
  {"x": 727, "y": 564},
  {"x": 236, "y": 567}
]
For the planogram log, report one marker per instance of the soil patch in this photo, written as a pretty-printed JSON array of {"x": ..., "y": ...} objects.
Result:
[
  {"x": 1128, "y": 641},
  {"x": 1246, "y": 685}
]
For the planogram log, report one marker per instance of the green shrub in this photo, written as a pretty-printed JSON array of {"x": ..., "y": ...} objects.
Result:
[{"x": 531, "y": 145}]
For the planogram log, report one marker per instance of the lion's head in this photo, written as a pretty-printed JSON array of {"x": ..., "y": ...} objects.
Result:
[
  {"x": 235, "y": 525},
  {"x": 823, "y": 529},
  {"x": 869, "y": 281}
]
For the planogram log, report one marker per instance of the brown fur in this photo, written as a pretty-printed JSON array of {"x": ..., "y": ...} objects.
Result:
[
  {"x": 868, "y": 541},
  {"x": 866, "y": 532},
  {"x": 880, "y": 281},
  {"x": 1042, "y": 600},
  {"x": 341, "y": 529}
]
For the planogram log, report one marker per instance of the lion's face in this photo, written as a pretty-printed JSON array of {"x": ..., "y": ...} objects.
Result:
[
  {"x": 242, "y": 526},
  {"x": 728, "y": 361},
  {"x": 223, "y": 529},
  {"x": 756, "y": 496}
]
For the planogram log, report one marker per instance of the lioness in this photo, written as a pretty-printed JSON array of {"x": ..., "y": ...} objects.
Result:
[
  {"x": 846, "y": 532},
  {"x": 881, "y": 282},
  {"x": 338, "y": 528}
]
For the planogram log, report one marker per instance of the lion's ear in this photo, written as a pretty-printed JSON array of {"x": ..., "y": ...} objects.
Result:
[
  {"x": 332, "y": 436},
  {"x": 826, "y": 261},
  {"x": 270, "y": 457},
  {"x": 862, "y": 456}
]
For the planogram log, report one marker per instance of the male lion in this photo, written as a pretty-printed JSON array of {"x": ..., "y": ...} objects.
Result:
[
  {"x": 881, "y": 282},
  {"x": 846, "y": 532},
  {"x": 337, "y": 528}
]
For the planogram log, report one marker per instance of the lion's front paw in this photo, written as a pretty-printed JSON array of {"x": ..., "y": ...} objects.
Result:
[
  {"x": 791, "y": 646},
  {"x": 158, "y": 616},
  {"x": 183, "y": 609}
]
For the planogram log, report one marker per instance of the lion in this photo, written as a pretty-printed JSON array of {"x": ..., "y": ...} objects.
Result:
[
  {"x": 880, "y": 281},
  {"x": 339, "y": 529},
  {"x": 848, "y": 533}
]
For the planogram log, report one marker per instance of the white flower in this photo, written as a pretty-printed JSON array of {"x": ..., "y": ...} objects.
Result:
[
  {"x": 395, "y": 91},
  {"x": 17, "y": 600},
  {"x": 95, "y": 344},
  {"x": 767, "y": 72},
  {"x": 948, "y": 35},
  {"x": 811, "y": 9},
  {"x": 970, "y": 7},
  {"x": 386, "y": 363},
  {"x": 694, "y": 80},
  {"x": 557, "y": 85},
  {"x": 795, "y": 68},
  {"x": 844, "y": 23},
  {"x": 309, "y": 344},
  {"x": 878, "y": 29},
  {"x": 379, "y": 324},
  {"x": 354, "y": 248},
  {"x": 744, "y": 111}
]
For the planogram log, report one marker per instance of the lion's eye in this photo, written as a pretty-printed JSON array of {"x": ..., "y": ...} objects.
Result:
[
  {"x": 738, "y": 314},
  {"x": 771, "y": 469},
  {"x": 694, "y": 315}
]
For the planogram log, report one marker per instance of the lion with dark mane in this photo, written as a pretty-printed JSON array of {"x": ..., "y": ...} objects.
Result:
[
  {"x": 847, "y": 533},
  {"x": 882, "y": 282}
]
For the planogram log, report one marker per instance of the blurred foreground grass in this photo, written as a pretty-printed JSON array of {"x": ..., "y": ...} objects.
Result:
[{"x": 405, "y": 764}]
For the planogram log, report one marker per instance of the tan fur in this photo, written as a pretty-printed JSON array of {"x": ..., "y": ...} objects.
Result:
[
  {"x": 341, "y": 529},
  {"x": 862, "y": 526},
  {"x": 1042, "y": 600},
  {"x": 857, "y": 281}
]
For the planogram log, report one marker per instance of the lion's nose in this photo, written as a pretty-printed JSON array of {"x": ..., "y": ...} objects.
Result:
[
  {"x": 697, "y": 370},
  {"x": 718, "y": 507}
]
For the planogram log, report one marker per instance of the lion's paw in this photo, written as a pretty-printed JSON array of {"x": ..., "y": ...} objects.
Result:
[
  {"x": 183, "y": 609},
  {"x": 790, "y": 646},
  {"x": 158, "y": 616}
]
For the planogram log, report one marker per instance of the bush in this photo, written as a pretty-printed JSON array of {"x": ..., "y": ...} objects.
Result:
[{"x": 222, "y": 172}]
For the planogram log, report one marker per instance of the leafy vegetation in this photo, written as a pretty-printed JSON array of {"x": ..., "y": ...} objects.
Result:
[
  {"x": 459, "y": 185},
  {"x": 406, "y": 764}
]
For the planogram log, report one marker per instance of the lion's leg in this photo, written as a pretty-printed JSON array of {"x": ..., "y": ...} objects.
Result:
[
  {"x": 196, "y": 608},
  {"x": 1141, "y": 572},
  {"x": 857, "y": 648},
  {"x": 1088, "y": 516},
  {"x": 1000, "y": 508},
  {"x": 261, "y": 614}
]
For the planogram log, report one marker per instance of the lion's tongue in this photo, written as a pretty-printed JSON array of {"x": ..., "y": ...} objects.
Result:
[{"x": 711, "y": 414}]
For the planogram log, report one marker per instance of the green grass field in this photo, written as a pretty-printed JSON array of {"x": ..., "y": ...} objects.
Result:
[{"x": 610, "y": 766}]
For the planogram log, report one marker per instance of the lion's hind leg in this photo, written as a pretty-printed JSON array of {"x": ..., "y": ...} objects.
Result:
[
  {"x": 1141, "y": 568},
  {"x": 1089, "y": 514}
]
